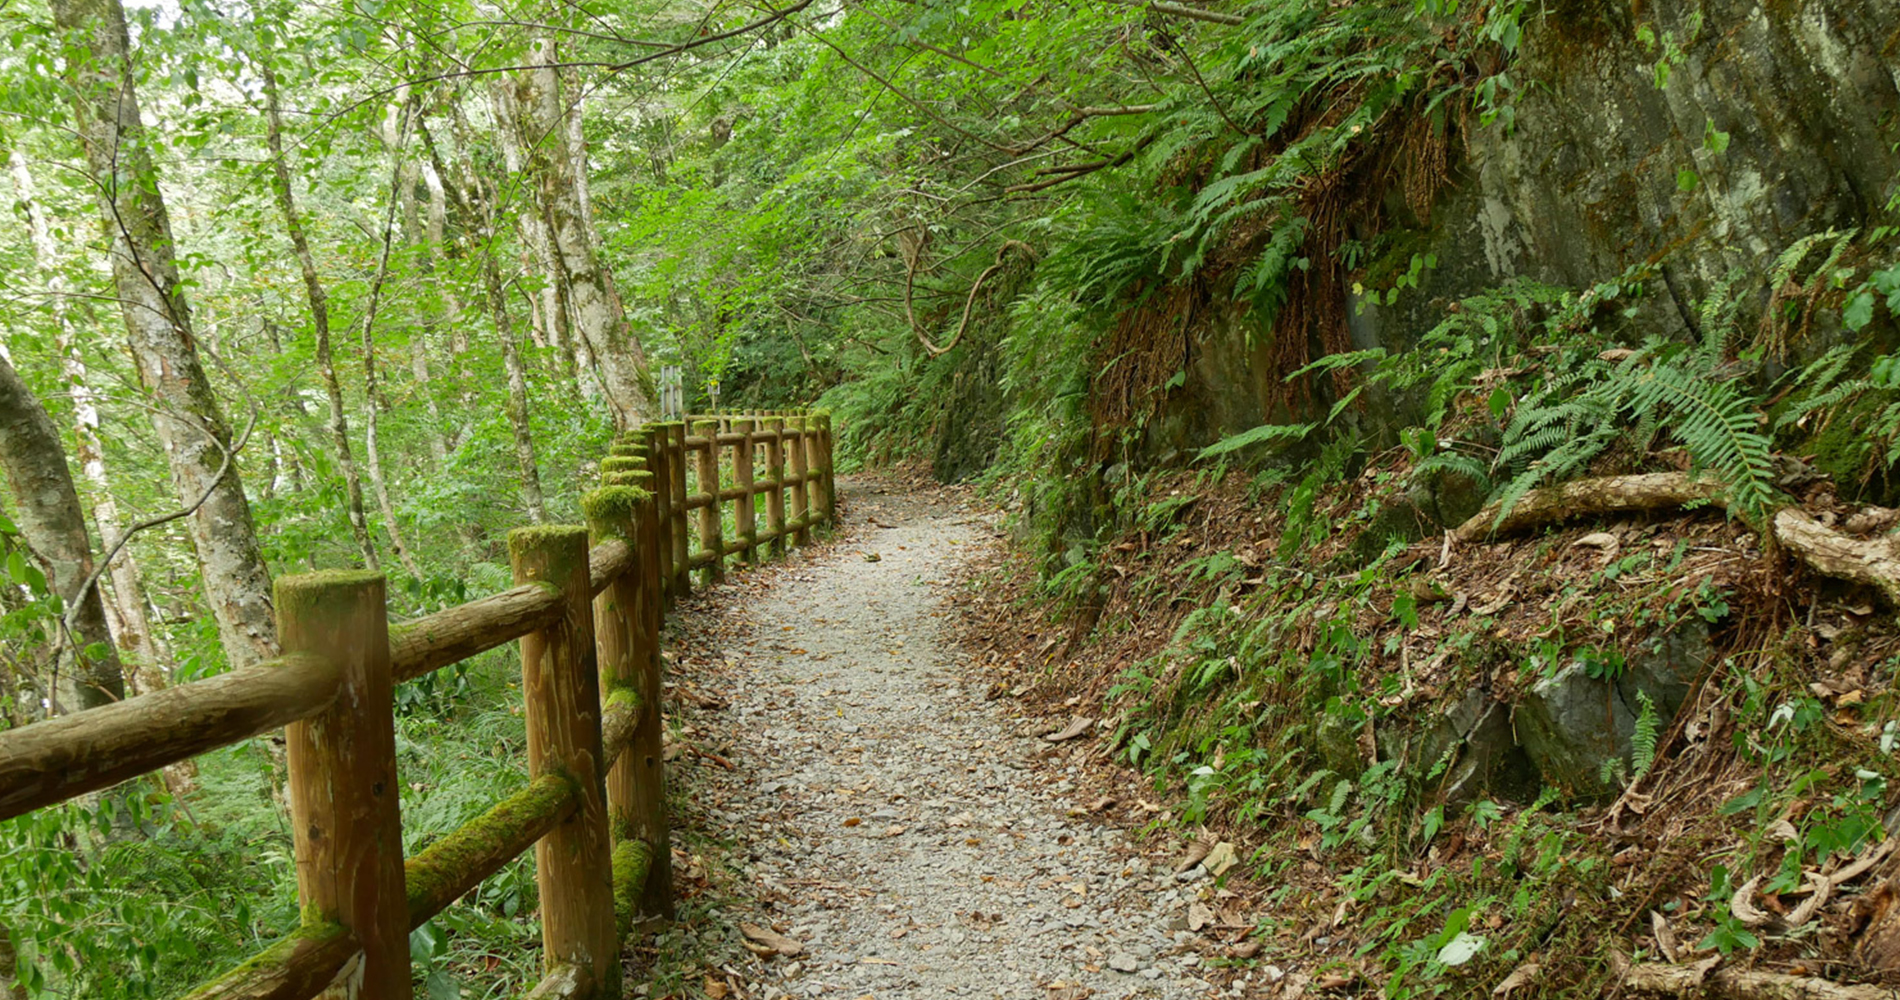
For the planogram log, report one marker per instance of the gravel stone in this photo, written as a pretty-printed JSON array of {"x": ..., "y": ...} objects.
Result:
[{"x": 846, "y": 703}]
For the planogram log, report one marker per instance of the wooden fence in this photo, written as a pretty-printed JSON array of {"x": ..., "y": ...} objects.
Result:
[{"x": 588, "y": 620}]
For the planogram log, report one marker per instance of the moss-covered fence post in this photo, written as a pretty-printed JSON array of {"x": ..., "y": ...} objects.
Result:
[
  {"x": 627, "y": 636},
  {"x": 347, "y": 829},
  {"x": 659, "y": 461},
  {"x": 745, "y": 509},
  {"x": 775, "y": 472},
  {"x": 561, "y": 680},
  {"x": 709, "y": 526},
  {"x": 801, "y": 487}
]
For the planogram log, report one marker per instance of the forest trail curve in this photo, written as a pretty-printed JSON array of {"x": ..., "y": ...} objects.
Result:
[{"x": 897, "y": 823}]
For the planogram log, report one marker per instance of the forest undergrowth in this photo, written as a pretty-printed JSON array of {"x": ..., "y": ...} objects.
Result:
[{"x": 1322, "y": 644}]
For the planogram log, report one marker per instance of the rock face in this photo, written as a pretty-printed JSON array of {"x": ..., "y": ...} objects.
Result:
[
  {"x": 1604, "y": 170},
  {"x": 1559, "y": 734},
  {"x": 1572, "y": 724}
]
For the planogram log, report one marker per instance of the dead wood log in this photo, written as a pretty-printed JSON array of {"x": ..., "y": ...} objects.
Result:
[
  {"x": 1872, "y": 562},
  {"x": 1581, "y": 497},
  {"x": 1743, "y": 984}
]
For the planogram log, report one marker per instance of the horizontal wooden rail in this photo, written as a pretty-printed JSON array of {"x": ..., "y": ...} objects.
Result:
[
  {"x": 434, "y": 641},
  {"x": 58, "y": 759},
  {"x": 308, "y": 959}
]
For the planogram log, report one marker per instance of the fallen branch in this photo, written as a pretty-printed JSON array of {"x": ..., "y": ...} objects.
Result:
[
  {"x": 1581, "y": 497},
  {"x": 1742, "y": 984},
  {"x": 1872, "y": 562}
]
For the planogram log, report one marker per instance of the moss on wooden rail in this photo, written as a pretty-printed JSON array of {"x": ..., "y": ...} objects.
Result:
[
  {"x": 633, "y": 861},
  {"x": 459, "y": 862},
  {"x": 296, "y": 967}
]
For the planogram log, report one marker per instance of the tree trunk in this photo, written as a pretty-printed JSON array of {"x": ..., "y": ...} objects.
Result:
[
  {"x": 319, "y": 315},
  {"x": 511, "y": 359},
  {"x": 599, "y": 320},
  {"x": 125, "y": 614},
  {"x": 398, "y": 135},
  {"x": 46, "y": 507},
  {"x": 189, "y": 420},
  {"x": 549, "y": 313},
  {"x": 433, "y": 276}
]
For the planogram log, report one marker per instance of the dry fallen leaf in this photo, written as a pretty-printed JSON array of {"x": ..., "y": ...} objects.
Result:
[
  {"x": 1077, "y": 726},
  {"x": 1195, "y": 852},
  {"x": 1220, "y": 859},
  {"x": 773, "y": 941},
  {"x": 1520, "y": 976},
  {"x": 1665, "y": 937}
]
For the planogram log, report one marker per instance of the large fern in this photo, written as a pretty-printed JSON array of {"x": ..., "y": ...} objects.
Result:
[{"x": 1663, "y": 389}]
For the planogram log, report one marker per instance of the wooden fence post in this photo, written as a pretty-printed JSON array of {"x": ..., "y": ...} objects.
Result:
[
  {"x": 709, "y": 526},
  {"x": 659, "y": 461},
  {"x": 826, "y": 498},
  {"x": 676, "y": 531},
  {"x": 560, "y": 678},
  {"x": 775, "y": 471},
  {"x": 745, "y": 509},
  {"x": 347, "y": 828},
  {"x": 801, "y": 492},
  {"x": 627, "y": 636}
]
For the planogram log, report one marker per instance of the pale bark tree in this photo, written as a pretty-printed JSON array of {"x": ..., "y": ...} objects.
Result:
[
  {"x": 189, "y": 420},
  {"x": 319, "y": 300},
  {"x": 125, "y": 612},
  {"x": 46, "y": 509},
  {"x": 550, "y": 311},
  {"x": 441, "y": 438},
  {"x": 596, "y": 314},
  {"x": 396, "y": 132}
]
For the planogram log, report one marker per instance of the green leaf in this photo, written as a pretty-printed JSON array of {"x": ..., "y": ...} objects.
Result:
[
  {"x": 1287, "y": 433},
  {"x": 1859, "y": 311},
  {"x": 1713, "y": 139},
  {"x": 1687, "y": 180},
  {"x": 1500, "y": 402}
]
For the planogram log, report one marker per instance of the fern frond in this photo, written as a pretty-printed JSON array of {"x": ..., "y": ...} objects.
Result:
[{"x": 1287, "y": 433}]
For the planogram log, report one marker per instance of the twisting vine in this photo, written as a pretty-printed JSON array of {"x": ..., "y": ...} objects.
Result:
[{"x": 910, "y": 280}]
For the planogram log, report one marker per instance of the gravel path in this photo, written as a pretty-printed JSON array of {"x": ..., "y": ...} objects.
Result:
[{"x": 896, "y": 823}]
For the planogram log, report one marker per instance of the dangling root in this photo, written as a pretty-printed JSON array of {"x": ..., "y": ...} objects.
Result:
[{"x": 910, "y": 274}]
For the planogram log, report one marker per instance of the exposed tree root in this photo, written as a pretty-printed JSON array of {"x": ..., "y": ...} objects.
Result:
[
  {"x": 1874, "y": 562},
  {"x": 1871, "y": 561},
  {"x": 1742, "y": 984}
]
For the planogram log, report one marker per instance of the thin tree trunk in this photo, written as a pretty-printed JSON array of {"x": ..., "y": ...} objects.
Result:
[
  {"x": 517, "y": 375},
  {"x": 451, "y": 308},
  {"x": 319, "y": 300},
  {"x": 189, "y": 420},
  {"x": 125, "y": 613},
  {"x": 46, "y": 508},
  {"x": 597, "y": 315},
  {"x": 398, "y": 138}
]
